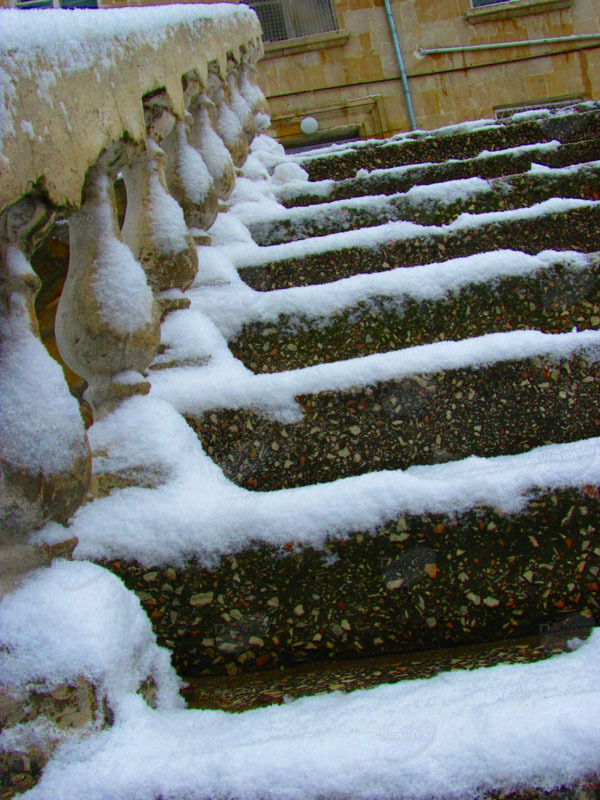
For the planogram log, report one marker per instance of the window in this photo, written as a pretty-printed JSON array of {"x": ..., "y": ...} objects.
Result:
[
  {"x": 291, "y": 19},
  {"x": 57, "y": 4},
  {"x": 477, "y": 3}
]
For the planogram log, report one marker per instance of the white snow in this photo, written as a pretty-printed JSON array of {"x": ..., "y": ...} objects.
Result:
[
  {"x": 208, "y": 143},
  {"x": 132, "y": 306},
  {"x": 446, "y": 192},
  {"x": 227, "y": 229},
  {"x": 27, "y": 128},
  {"x": 75, "y": 619},
  {"x": 28, "y": 375},
  {"x": 115, "y": 265},
  {"x": 251, "y": 256},
  {"x": 198, "y": 512},
  {"x": 283, "y": 173},
  {"x": 458, "y": 734},
  {"x": 195, "y": 391},
  {"x": 238, "y": 103},
  {"x": 231, "y": 305},
  {"x": 324, "y": 187},
  {"x": 191, "y": 168},
  {"x": 80, "y": 31},
  {"x": 82, "y": 39},
  {"x": 228, "y": 125},
  {"x": 166, "y": 216}
]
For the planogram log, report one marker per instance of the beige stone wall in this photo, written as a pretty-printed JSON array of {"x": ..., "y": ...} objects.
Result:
[{"x": 445, "y": 88}]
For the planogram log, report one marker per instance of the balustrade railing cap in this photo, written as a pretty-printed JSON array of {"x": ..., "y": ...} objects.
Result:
[{"x": 72, "y": 82}]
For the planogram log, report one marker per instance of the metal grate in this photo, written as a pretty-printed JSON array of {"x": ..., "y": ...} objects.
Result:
[
  {"x": 291, "y": 19},
  {"x": 478, "y": 3},
  {"x": 57, "y": 4}
]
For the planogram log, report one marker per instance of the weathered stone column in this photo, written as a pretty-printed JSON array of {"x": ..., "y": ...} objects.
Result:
[
  {"x": 107, "y": 323},
  {"x": 189, "y": 180},
  {"x": 210, "y": 145},
  {"x": 44, "y": 452},
  {"x": 226, "y": 121}
]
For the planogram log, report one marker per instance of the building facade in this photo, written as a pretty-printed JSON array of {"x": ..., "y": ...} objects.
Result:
[{"x": 346, "y": 74}]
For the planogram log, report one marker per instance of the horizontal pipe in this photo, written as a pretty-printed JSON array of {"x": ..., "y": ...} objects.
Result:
[{"x": 467, "y": 48}]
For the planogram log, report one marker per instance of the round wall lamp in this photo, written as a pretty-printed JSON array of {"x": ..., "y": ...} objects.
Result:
[{"x": 309, "y": 125}]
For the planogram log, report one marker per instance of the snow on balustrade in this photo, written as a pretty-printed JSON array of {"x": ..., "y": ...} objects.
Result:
[
  {"x": 72, "y": 82},
  {"x": 85, "y": 97}
]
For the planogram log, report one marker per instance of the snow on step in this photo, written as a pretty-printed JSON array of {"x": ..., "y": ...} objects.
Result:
[
  {"x": 466, "y": 144},
  {"x": 244, "y": 257},
  {"x": 229, "y": 385},
  {"x": 233, "y": 305},
  {"x": 395, "y": 179},
  {"x": 554, "y": 299},
  {"x": 557, "y": 223},
  {"x": 456, "y": 735},
  {"x": 427, "y": 204},
  {"x": 506, "y": 407},
  {"x": 199, "y": 512}
]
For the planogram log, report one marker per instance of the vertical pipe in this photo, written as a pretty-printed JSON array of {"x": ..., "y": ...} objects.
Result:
[{"x": 409, "y": 105}]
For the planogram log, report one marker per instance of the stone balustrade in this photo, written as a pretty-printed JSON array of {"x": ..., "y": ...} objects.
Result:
[{"x": 164, "y": 98}]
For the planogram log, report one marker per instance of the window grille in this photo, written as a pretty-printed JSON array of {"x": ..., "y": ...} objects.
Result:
[
  {"x": 290, "y": 19},
  {"x": 478, "y": 3},
  {"x": 57, "y": 4}
]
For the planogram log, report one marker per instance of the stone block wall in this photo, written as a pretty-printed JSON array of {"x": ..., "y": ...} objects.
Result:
[{"x": 351, "y": 79}]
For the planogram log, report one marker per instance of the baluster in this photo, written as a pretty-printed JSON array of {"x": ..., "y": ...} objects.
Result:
[
  {"x": 253, "y": 95},
  {"x": 107, "y": 323},
  {"x": 227, "y": 124},
  {"x": 154, "y": 227},
  {"x": 44, "y": 452},
  {"x": 210, "y": 146},
  {"x": 240, "y": 106},
  {"x": 189, "y": 179}
]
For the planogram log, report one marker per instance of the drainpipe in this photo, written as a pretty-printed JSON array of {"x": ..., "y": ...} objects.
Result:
[
  {"x": 579, "y": 37},
  {"x": 405, "y": 87}
]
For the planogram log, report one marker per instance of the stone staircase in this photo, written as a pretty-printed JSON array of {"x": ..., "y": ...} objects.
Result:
[{"x": 376, "y": 294}]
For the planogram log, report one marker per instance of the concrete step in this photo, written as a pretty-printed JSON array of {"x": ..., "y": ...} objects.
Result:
[
  {"x": 244, "y": 691},
  {"x": 421, "y": 305},
  {"x": 437, "y": 146},
  {"x": 421, "y": 581},
  {"x": 505, "y": 407},
  {"x": 435, "y": 204},
  {"x": 487, "y": 164},
  {"x": 559, "y": 225}
]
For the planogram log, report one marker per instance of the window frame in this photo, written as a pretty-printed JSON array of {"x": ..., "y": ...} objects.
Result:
[
  {"x": 513, "y": 8},
  {"x": 293, "y": 24}
]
